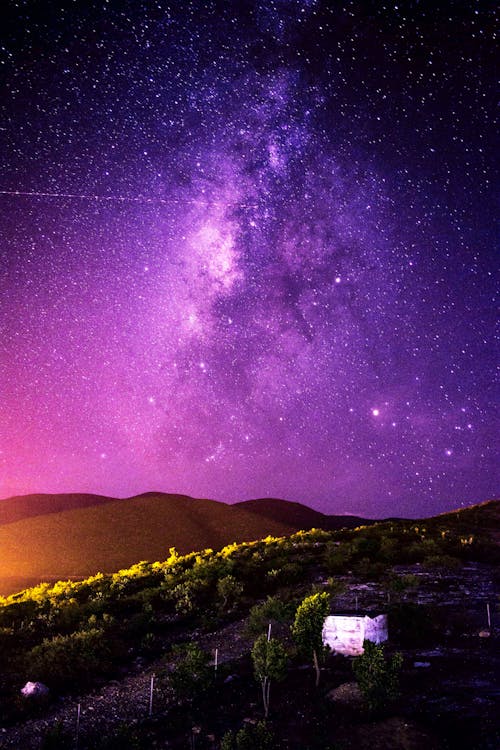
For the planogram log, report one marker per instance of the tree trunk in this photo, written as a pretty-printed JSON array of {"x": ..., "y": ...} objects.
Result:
[
  {"x": 316, "y": 666},
  {"x": 265, "y": 696}
]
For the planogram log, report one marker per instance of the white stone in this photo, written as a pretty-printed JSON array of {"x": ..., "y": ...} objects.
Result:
[{"x": 35, "y": 690}]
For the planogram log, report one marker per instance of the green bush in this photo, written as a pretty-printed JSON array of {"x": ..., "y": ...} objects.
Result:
[
  {"x": 370, "y": 571},
  {"x": 68, "y": 660},
  {"x": 368, "y": 546},
  {"x": 249, "y": 737},
  {"x": 229, "y": 591},
  {"x": 442, "y": 562},
  {"x": 273, "y": 610},
  {"x": 189, "y": 595},
  {"x": 337, "y": 557},
  {"x": 400, "y": 584},
  {"x": 334, "y": 587},
  {"x": 192, "y": 676},
  {"x": 377, "y": 676}
]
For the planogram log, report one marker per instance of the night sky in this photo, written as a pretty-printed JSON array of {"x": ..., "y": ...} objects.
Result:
[{"x": 248, "y": 249}]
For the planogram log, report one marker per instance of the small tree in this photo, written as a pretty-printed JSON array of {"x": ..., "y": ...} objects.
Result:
[
  {"x": 192, "y": 675},
  {"x": 307, "y": 628},
  {"x": 377, "y": 676},
  {"x": 229, "y": 591},
  {"x": 269, "y": 663}
]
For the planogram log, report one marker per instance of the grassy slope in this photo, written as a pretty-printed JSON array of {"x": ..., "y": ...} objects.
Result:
[{"x": 117, "y": 534}]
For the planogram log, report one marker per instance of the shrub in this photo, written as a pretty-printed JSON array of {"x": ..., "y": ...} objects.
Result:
[
  {"x": 370, "y": 571},
  {"x": 189, "y": 595},
  {"x": 229, "y": 591},
  {"x": 377, "y": 676},
  {"x": 249, "y": 737},
  {"x": 192, "y": 676},
  {"x": 68, "y": 660},
  {"x": 337, "y": 557},
  {"x": 442, "y": 562},
  {"x": 334, "y": 587},
  {"x": 401, "y": 584},
  {"x": 367, "y": 546},
  {"x": 273, "y": 610}
]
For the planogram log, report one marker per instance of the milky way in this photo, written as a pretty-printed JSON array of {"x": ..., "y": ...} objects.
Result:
[{"x": 248, "y": 250}]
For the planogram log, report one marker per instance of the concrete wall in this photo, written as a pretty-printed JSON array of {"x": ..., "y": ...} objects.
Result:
[{"x": 345, "y": 633}]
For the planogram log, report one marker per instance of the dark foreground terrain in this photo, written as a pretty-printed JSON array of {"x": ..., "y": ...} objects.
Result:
[{"x": 97, "y": 644}]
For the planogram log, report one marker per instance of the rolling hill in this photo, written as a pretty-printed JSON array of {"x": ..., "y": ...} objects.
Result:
[
  {"x": 26, "y": 506},
  {"x": 300, "y": 516},
  {"x": 49, "y": 537}
]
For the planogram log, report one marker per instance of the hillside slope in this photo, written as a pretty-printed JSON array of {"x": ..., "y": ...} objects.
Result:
[
  {"x": 26, "y": 506},
  {"x": 115, "y": 534},
  {"x": 300, "y": 516}
]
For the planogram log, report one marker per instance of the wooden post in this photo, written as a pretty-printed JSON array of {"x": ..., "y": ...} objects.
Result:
[
  {"x": 216, "y": 663},
  {"x": 78, "y": 711},
  {"x": 269, "y": 632},
  {"x": 151, "y": 695},
  {"x": 488, "y": 614},
  {"x": 356, "y": 597}
]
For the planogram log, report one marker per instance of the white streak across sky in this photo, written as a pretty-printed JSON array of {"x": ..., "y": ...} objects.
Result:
[{"x": 105, "y": 198}]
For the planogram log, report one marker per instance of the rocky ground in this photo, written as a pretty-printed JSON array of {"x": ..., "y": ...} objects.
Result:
[{"x": 451, "y": 696}]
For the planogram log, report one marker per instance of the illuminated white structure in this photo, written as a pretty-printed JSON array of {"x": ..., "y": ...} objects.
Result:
[{"x": 345, "y": 633}]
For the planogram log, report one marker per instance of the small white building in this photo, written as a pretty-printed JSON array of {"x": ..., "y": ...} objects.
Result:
[{"x": 345, "y": 633}]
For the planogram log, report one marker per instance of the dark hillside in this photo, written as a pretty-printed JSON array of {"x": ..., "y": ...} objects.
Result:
[
  {"x": 481, "y": 517},
  {"x": 117, "y": 533},
  {"x": 26, "y": 506},
  {"x": 300, "y": 516}
]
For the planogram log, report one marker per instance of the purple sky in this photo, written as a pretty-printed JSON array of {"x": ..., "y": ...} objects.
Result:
[{"x": 278, "y": 278}]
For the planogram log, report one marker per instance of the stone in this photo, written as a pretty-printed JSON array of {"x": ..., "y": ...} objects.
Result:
[
  {"x": 35, "y": 690},
  {"x": 347, "y": 694}
]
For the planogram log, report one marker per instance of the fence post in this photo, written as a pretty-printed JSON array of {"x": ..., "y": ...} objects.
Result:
[
  {"x": 78, "y": 711},
  {"x": 151, "y": 695}
]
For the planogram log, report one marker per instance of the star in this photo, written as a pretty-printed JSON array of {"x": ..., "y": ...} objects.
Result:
[{"x": 254, "y": 238}]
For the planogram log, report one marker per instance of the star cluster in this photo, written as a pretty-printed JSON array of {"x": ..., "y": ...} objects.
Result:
[{"x": 248, "y": 250}]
